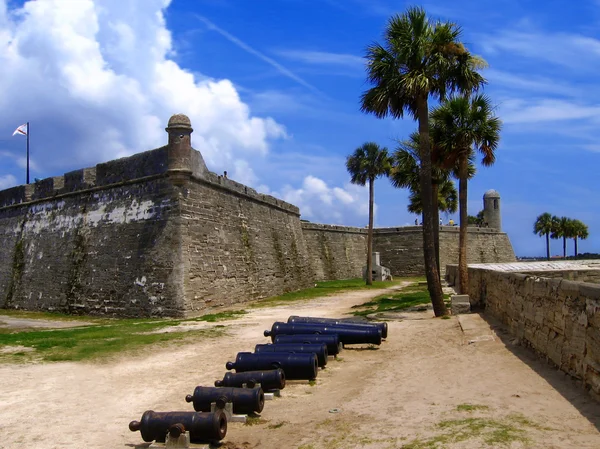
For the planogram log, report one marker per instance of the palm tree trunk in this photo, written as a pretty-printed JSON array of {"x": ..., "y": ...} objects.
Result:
[
  {"x": 436, "y": 220},
  {"x": 370, "y": 234},
  {"x": 575, "y": 241},
  {"x": 463, "y": 274},
  {"x": 548, "y": 245},
  {"x": 431, "y": 272},
  {"x": 564, "y": 247}
]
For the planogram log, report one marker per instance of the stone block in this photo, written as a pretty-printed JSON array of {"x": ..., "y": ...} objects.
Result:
[{"x": 460, "y": 304}]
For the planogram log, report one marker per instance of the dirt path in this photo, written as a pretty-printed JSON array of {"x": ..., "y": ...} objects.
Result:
[{"x": 404, "y": 394}]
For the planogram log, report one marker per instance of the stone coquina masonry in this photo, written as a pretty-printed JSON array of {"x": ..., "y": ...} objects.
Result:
[
  {"x": 557, "y": 317},
  {"x": 158, "y": 234}
]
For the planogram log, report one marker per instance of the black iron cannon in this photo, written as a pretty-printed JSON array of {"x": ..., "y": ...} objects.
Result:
[
  {"x": 339, "y": 321},
  {"x": 203, "y": 427},
  {"x": 272, "y": 379},
  {"x": 295, "y": 366},
  {"x": 245, "y": 400},
  {"x": 346, "y": 335},
  {"x": 331, "y": 340},
  {"x": 317, "y": 348}
]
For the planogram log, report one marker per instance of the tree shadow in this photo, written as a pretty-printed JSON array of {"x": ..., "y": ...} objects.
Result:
[{"x": 569, "y": 388}]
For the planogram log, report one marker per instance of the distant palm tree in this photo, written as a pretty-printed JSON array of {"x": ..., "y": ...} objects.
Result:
[
  {"x": 367, "y": 163},
  {"x": 579, "y": 230},
  {"x": 562, "y": 229},
  {"x": 544, "y": 226},
  {"x": 461, "y": 126},
  {"x": 420, "y": 58}
]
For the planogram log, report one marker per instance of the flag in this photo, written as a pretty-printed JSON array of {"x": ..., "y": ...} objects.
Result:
[{"x": 22, "y": 130}]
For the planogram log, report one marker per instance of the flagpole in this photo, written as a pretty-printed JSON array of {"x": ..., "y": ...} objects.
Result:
[{"x": 27, "y": 152}]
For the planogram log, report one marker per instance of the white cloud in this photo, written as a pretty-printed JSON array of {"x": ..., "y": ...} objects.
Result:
[
  {"x": 323, "y": 204},
  {"x": 95, "y": 80},
  {"x": 544, "y": 110},
  {"x": 7, "y": 181},
  {"x": 321, "y": 57}
]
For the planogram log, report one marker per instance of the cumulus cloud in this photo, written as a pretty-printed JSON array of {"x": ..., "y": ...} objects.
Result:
[
  {"x": 97, "y": 82},
  {"x": 321, "y": 203}
]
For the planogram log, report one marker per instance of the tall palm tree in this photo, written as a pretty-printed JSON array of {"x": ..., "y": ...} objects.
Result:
[
  {"x": 367, "y": 163},
  {"x": 405, "y": 173},
  {"x": 580, "y": 230},
  {"x": 419, "y": 58},
  {"x": 562, "y": 229},
  {"x": 447, "y": 199},
  {"x": 544, "y": 226},
  {"x": 462, "y": 126}
]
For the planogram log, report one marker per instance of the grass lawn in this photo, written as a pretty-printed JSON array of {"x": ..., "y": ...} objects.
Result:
[
  {"x": 410, "y": 296},
  {"x": 325, "y": 288}
]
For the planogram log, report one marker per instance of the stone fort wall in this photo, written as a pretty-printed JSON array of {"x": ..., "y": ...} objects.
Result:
[
  {"x": 557, "y": 317},
  {"x": 158, "y": 234}
]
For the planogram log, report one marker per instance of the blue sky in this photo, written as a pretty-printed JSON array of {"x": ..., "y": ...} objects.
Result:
[{"x": 272, "y": 88}]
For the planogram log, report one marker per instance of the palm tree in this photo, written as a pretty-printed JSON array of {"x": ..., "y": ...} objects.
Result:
[
  {"x": 447, "y": 199},
  {"x": 544, "y": 226},
  {"x": 562, "y": 229},
  {"x": 420, "y": 58},
  {"x": 367, "y": 163},
  {"x": 461, "y": 126},
  {"x": 405, "y": 173},
  {"x": 579, "y": 230}
]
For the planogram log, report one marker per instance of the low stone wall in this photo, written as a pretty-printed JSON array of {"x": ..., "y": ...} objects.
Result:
[{"x": 558, "y": 318}]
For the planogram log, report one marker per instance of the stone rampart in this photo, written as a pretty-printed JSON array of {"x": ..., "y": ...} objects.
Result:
[
  {"x": 157, "y": 233},
  {"x": 401, "y": 248},
  {"x": 335, "y": 252},
  {"x": 558, "y": 318}
]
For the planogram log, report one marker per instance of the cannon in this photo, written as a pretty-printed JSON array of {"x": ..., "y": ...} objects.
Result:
[
  {"x": 202, "y": 427},
  {"x": 346, "y": 335},
  {"x": 272, "y": 379},
  {"x": 317, "y": 348},
  {"x": 331, "y": 340},
  {"x": 342, "y": 322},
  {"x": 245, "y": 400},
  {"x": 295, "y": 366}
]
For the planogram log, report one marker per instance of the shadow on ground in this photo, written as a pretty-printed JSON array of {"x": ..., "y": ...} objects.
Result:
[{"x": 563, "y": 383}]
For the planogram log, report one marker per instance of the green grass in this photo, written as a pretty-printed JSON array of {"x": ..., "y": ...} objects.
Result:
[
  {"x": 471, "y": 407},
  {"x": 101, "y": 338},
  {"x": 325, "y": 288},
  {"x": 492, "y": 433},
  {"x": 97, "y": 341},
  {"x": 410, "y": 296},
  {"x": 221, "y": 316}
]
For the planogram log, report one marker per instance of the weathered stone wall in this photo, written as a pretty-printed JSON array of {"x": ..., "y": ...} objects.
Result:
[
  {"x": 335, "y": 252},
  {"x": 402, "y": 248},
  {"x": 238, "y": 244},
  {"x": 76, "y": 247},
  {"x": 560, "y": 319}
]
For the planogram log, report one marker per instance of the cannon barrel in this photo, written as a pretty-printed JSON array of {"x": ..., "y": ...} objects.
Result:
[
  {"x": 272, "y": 379},
  {"x": 202, "y": 427},
  {"x": 245, "y": 400},
  {"x": 331, "y": 340},
  {"x": 346, "y": 335},
  {"x": 320, "y": 349},
  {"x": 339, "y": 321},
  {"x": 295, "y": 366}
]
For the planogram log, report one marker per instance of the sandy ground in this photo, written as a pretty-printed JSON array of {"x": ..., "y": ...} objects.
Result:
[{"x": 390, "y": 397}]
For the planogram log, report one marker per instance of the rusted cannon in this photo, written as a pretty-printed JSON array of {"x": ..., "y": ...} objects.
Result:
[
  {"x": 295, "y": 366},
  {"x": 273, "y": 379},
  {"x": 331, "y": 340},
  {"x": 317, "y": 348},
  {"x": 342, "y": 322},
  {"x": 203, "y": 427},
  {"x": 346, "y": 335},
  {"x": 245, "y": 400}
]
